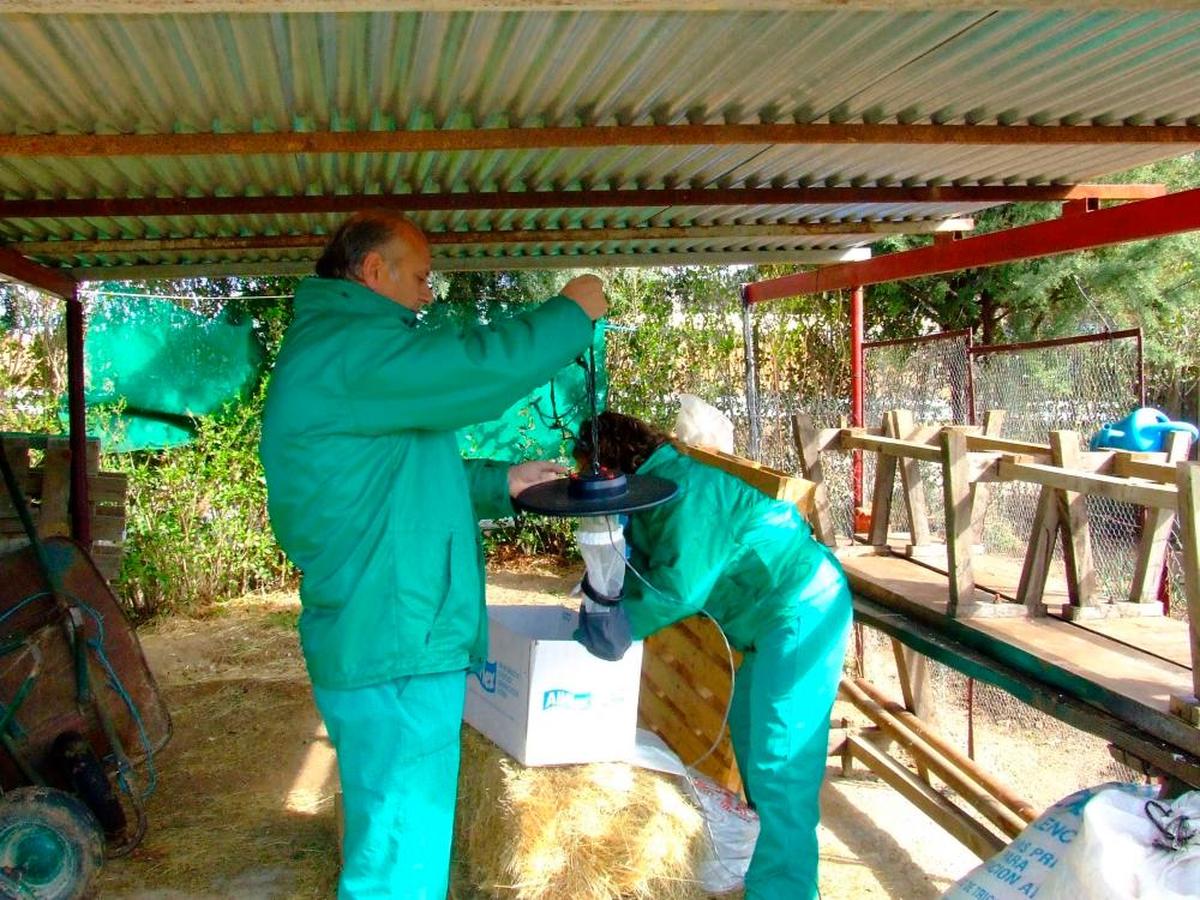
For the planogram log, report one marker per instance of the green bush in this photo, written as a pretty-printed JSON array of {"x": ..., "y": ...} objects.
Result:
[{"x": 197, "y": 527}]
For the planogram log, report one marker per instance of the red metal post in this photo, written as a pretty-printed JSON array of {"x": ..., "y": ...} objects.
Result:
[
  {"x": 81, "y": 519},
  {"x": 857, "y": 385},
  {"x": 1131, "y": 222}
]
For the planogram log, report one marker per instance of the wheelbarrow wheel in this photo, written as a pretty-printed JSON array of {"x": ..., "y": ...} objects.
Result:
[{"x": 51, "y": 846}]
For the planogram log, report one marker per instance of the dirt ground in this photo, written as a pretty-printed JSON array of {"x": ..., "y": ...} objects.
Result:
[{"x": 244, "y": 800}]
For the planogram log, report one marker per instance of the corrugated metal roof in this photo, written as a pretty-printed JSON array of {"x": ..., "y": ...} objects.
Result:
[{"x": 259, "y": 72}]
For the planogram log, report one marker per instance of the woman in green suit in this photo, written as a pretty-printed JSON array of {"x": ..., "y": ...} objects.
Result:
[{"x": 750, "y": 562}]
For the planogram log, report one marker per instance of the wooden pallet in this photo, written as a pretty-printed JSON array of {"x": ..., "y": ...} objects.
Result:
[
  {"x": 686, "y": 681},
  {"x": 47, "y": 489}
]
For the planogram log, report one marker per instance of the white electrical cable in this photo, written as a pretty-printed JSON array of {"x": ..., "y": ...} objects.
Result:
[
  {"x": 728, "y": 653},
  {"x": 687, "y": 767}
]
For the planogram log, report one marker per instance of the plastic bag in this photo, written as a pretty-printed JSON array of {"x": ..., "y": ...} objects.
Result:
[
  {"x": 733, "y": 830},
  {"x": 731, "y": 825},
  {"x": 602, "y": 545},
  {"x": 703, "y": 425},
  {"x": 1104, "y": 843}
]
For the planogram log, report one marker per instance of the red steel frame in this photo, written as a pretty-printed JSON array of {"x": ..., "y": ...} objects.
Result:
[
  {"x": 1135, "y": 221},
  {"x": 1082, "y": 227}
]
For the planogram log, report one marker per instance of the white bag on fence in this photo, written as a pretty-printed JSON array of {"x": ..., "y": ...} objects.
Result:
[
  {"x": 703, "y": 425},
  {"x": 1111, "y": 842}
]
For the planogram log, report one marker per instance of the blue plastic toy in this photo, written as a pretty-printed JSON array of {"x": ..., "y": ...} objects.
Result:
[{"x": 1141, "y": 431}]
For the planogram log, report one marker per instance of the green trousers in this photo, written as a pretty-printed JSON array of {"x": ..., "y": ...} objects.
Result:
[
  {"x": 397, "y": 748},
  {"x": 779, "y": 723}
]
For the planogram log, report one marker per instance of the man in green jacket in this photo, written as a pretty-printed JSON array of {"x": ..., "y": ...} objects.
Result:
[
  {"x": 751, "y": 564},
  {"x": 369, "y": 497}
]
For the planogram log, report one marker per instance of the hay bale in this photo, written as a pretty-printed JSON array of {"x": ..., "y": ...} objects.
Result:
[{"x": 606, "y": 831}]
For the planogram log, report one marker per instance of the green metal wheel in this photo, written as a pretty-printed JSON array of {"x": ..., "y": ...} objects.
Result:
[{"x": 51, "y": 846}]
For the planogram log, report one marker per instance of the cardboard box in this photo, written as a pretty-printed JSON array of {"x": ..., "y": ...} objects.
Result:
[{"x": 544, "y": 700}]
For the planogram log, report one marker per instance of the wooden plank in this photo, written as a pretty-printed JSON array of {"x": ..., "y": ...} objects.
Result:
[
  {"x": 93, "y": 450},
  {"x": 970, "y": 833},
  {"x": 53, "y": 518},
  {"x": 829, "y": 439},
  {"x": 858, "y": 439},
  {"x": 1043, "y": 535},
  {"x": 706, "y": 671},
  {"x": 108, "y": 528},
  {"x": 1073, "y": 523},
  {"x": 804, "y": 435},
  {"x": 993, "y": 424},
  {"x": 1157, "y": 525},
  {"x": 994, "y": 574},
  {"x": 772, "y": 482},
  {"x": 1188, "y": 481},
  {"x": 1162, "y": 637},
  {"x": 108, "y": 488},
  {"x": 881, "y": 498},
  {"x": 1152, "y": 495},
  {"x": 1027, "y": 686},
  {"x": 664, "y": 719},
  {"x": 900, "y": 424},
  {"x": 701, "y": 710},
  {"x": 1024, "y": 809},
  {"x": 917, "y": 689},
  {"x": 107, "y": 559},
  {"x": 994, "y": 442},
  {"x": 957, "y": 491},
  {"x": 1128, "y": 465},
  {"x": 1128, "y": 683}
]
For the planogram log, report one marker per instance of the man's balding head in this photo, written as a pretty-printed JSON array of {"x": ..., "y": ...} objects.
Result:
[{"x": 383, "y": 250}]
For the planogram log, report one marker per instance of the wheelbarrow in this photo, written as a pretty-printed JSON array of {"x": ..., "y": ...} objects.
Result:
[{"x": 80, "y": 718}]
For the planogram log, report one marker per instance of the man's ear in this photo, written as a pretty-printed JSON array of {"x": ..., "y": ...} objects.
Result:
[{"x": 372, "y": 268}]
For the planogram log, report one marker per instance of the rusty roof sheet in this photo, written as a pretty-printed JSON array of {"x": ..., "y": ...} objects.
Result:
[{"x": 385, "y": 71}]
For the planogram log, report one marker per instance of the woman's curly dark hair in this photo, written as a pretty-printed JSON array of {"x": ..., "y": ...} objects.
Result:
[{"x": 625, "y": 442}]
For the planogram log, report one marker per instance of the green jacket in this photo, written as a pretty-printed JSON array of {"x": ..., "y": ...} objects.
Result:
[
  {"x": 724, "y": 547},
  {"x": 367, "y": 492}
]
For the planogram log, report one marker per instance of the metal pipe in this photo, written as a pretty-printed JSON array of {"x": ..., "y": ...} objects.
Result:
[
  {"x": 857, "y": 386},
  {"x": 923, "y": 339},
  {"x": 945, "y": 768},
  {"x": 1001, "y": 792},
  {"x": 81, "y": 519},
  {"x": 1137, "y": 221},
  {"x": 984, "y": 349},
  {"x": 752, "y": 407}
]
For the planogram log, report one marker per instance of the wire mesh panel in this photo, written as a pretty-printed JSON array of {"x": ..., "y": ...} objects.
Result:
[
  {"x": 931, "y": 377},
  {"x": 800, "y": 365},
  {"x": 1077, "y": 384}
]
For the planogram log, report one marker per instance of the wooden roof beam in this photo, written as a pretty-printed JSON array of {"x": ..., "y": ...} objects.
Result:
[
  {"x": 18, "y": 267},
  {"x": 109, "y": 207},
  {"x": 538, "y": 236},
  {"x": 580, "y": 137}
]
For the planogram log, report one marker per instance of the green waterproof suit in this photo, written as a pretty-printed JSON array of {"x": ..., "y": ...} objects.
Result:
[
  {"x": 368, "y": 494},
  {"x": 751, "y": 563},
  {"x": 369, "y": 497}
]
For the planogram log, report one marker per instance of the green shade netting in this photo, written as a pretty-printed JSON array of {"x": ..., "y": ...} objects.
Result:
[
  {"x": 152, "y": 367},
  {"x": 533, "y": 427}
]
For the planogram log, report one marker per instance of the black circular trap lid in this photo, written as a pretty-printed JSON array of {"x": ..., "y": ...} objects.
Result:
[{"x": 596, "y": 495}]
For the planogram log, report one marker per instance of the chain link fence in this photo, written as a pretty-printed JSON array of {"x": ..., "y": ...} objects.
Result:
[{"x": 1076, "y": 384}]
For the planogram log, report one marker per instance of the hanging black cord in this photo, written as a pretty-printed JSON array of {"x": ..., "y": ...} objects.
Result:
[{"x": 591, "y": 391}]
